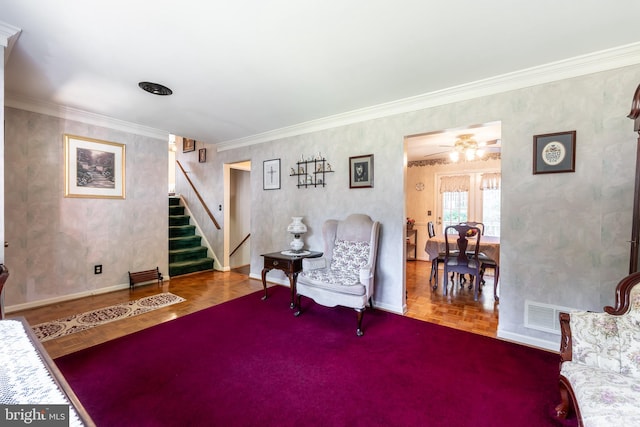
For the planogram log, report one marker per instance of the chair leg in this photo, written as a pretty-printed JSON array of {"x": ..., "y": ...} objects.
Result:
[
  {"x": 445, "y": 283},
  {"x": 359, "y": 331},
  {"x": 476, "y": 289},
  {"x": 495, "y": 284}
]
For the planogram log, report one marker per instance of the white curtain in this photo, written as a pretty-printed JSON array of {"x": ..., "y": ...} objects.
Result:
[
  {"x": 457, "y": 183},
  {"x": 490, "y": 181}
]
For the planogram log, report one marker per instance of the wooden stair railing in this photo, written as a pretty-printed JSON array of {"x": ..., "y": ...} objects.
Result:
[
  {"x": 240, "y": 244},
  {"x": 204, "y": 205}
]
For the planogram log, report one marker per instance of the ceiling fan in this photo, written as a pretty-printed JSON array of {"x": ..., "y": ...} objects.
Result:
[{"x": 467, "y": 148}]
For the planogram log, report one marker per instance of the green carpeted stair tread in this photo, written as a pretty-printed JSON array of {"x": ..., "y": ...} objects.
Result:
[
  {"x": 176, "y": 210},
  {"x": 181, "y": 230},
  {"x": 186, "y": 254},
  {"x": 179, "y": 220},
  {"x": 192, "y": 266},
  {"x": 184, "y": 242}
]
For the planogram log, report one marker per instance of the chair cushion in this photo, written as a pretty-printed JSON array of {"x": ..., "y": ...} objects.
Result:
[
  {"x": 343, "y": 276},
  {"x": 349, "y": 255},
  {"x": 604, "y": 397},
  {"x": 334, "y": 280}
]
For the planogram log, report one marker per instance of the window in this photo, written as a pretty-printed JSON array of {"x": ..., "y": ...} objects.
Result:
[{"x": 470, "y": 197}]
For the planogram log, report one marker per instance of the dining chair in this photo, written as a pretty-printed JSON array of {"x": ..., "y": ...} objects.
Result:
[
  {"x": 434, "y": 262},
  {"x": 486, "y": 262},
  {"x": 480, "y": 225},
  {"x": 458, "y": 259}
]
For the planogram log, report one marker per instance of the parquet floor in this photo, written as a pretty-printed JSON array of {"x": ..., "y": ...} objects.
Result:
[{"x": 202, "y": 290}]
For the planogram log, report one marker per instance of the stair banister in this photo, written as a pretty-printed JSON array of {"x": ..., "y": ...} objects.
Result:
[
  {"x": 239, "y": 245},
  {"x": 204, "y": 205}
]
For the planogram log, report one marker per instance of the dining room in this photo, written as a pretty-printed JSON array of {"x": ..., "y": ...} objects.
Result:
[{"x": 453, "y": 176}]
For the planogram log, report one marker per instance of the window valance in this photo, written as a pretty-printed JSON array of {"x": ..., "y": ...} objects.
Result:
[
  {"x": 490, "y": 181},
  {"x": 457, "y": 183}
]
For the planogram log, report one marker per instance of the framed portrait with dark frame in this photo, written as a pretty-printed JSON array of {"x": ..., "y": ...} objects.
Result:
[
  {"x": 202, "y": 155},
  {"x": 271, "y": 174},
  {"x": 188, "y": 145},
  {"x": 361, "y": 171},
  {"x": 554, "y": 152}
]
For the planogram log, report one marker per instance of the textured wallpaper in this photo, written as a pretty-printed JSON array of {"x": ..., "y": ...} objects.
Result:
[
  {"x": 564, "y": 236},
  {"x": 54, "y": 242}
]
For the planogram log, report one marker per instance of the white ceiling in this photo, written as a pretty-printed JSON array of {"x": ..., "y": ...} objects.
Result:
[
  {"x": 245, "y": 67},
  {"x": 438, "y": 144}
]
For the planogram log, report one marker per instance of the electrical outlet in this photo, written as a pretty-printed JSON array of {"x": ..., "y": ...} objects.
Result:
[{"x": 97, "y": 269}]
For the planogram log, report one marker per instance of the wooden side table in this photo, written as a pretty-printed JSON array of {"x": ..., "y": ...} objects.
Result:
[{"x": 291, "y": 265}]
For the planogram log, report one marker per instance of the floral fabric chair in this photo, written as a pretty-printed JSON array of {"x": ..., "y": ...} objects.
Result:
[
  {"x": 345, "y": 274},
  {"x": 600, "y": 361}
]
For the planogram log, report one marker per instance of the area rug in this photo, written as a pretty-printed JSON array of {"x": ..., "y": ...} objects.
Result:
[
  {"x": 249, "y": 362},
  {"x": 80, "y": 322}
]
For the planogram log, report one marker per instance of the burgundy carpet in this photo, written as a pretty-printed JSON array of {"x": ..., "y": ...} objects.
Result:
[{"x": 250, "y": 362}]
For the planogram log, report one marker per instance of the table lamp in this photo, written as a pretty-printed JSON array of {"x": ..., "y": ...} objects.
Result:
[{"x": 297, "y": 228}]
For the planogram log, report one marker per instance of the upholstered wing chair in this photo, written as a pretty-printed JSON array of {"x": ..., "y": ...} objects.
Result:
[{"x": 345, "y": 274}]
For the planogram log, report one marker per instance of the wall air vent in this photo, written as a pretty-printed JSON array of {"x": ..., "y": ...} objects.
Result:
[{"x": 544, "y": 317}]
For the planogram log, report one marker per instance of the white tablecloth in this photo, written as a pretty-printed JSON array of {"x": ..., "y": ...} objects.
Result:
[{"x": 490, "y": 245}]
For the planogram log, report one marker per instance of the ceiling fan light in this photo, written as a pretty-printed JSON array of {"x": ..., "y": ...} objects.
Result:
[
  {"x": 454, "y": 156},
  {"x": 480, "y": 152},
  {"x": 470, "y": 153}
]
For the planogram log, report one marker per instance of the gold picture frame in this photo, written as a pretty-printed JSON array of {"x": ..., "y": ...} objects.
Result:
[
  {"x": 93, "y": 168},
  {"x": 188, "y": 145}
]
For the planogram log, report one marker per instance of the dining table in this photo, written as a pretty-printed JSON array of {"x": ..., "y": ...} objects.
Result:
[{"x": 489, "y": 245}]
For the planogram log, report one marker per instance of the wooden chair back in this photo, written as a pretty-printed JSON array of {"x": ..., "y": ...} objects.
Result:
[{"x": 459, "y": 258}]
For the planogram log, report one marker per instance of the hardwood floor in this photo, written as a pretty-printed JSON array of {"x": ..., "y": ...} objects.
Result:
[
  {"x": 202, "y": 290},
  {"x": 456, "y": 310}
]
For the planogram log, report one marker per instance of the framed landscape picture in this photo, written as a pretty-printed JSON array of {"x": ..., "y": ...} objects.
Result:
[{"x": 93, "y": 168}]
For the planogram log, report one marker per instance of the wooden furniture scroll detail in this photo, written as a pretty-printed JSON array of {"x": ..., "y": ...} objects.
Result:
[{"x": 635, "y": 227}]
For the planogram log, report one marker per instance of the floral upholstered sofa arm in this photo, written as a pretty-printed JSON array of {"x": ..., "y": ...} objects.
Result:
[{"x": 600, "y": 361}]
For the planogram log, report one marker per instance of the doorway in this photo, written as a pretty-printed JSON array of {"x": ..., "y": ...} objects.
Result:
[
  {"x": 237, "y": 215},
  {"x": 429, "y": 159}
]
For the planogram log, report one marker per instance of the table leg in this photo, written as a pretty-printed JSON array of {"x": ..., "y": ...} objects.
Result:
[
  {"x": 293, "y": 277},
  {"x": 264, "y": 281}
]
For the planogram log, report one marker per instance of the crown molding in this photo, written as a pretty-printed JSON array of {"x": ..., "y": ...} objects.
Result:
[
  {"x": 8, "y": 36},
  {"x": 604, "y": 60},
  {"x": 69, "y": 113},
  {"x": 609, "y": 59}
]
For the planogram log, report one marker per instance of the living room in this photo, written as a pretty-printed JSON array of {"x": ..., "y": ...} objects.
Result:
[{"x": 54, "y": 242}]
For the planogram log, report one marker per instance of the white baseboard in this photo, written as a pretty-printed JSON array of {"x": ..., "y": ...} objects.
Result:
[
  {"x": 48, "y": 301},
  {"x": 530, "y": 341}
]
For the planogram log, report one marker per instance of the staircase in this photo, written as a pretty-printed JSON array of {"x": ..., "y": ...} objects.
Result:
[{"x": 186, "y": 254}]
